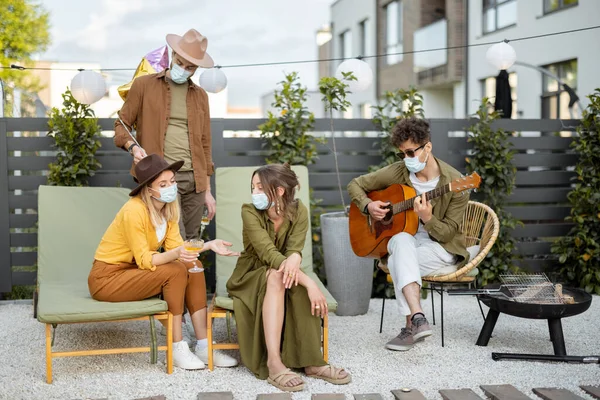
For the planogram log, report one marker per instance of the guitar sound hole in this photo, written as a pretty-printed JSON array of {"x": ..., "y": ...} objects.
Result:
[{"x": 388, "y": 217}]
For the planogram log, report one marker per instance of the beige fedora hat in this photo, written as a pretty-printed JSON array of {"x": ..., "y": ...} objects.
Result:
[{"x": 191, "y": 46}]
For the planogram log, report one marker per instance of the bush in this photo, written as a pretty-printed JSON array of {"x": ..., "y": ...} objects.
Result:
[
  {"x": 492, "y": 158},
  {"x": 75, "y": 131},
  {"x": 579, "y": 251}
]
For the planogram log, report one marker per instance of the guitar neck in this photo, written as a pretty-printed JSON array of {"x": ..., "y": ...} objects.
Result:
[{"x": 409, "y": 203}]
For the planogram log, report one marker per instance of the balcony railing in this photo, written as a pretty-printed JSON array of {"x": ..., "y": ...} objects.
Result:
[{"x": 432, "y": 36}]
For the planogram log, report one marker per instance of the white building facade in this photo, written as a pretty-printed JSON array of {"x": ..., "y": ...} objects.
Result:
[
  {"x": 353, "y": 30},
  {"x": 573, "y": 57}
]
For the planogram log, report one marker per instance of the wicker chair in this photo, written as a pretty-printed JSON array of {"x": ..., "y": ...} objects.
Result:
[{"x": 481, "y": 227}]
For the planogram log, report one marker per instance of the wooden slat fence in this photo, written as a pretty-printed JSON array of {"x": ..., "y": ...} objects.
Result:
[{"x": 545, "y": 168}]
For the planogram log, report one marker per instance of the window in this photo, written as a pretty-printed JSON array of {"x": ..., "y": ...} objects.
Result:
[
  {"x": 345, "y": 45},
  {"x": 393, "y": 33},
  {"x": 498, "y": 14},
  {"x": 555, "y": 99},
  {"x": 555, "y": 5},
  {"x": 364, "y": 37},
  {"x": 488, "y": 89}
]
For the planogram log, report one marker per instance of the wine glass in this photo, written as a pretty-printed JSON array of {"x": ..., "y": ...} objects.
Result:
[
  {"x": 194, "y": 245},
  {"x": 204, "y": 222}
]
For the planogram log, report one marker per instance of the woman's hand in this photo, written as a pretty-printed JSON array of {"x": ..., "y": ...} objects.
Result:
[
  {"x": 220, "y": 247},
  {"x": 290, "y": 269},
  {"x": 318, "y": 302},
  {"x": 185, "y": 255}
]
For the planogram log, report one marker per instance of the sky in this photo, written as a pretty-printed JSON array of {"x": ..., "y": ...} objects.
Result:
[{"x": 118, "y": 33}]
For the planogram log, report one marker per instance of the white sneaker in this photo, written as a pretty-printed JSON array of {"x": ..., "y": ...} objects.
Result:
[
  {"x": 219, "y": 359},
  {"x": 184, "y": 358}
]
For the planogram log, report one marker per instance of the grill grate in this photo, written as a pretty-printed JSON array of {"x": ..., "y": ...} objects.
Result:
[{"x": 532, "y": 288}]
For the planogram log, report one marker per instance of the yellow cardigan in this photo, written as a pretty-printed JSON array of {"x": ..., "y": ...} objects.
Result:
[{"x": 131, "y": 237}]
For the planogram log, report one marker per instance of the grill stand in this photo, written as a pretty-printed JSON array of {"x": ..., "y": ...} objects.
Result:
[{"x": 554, "y": 327}]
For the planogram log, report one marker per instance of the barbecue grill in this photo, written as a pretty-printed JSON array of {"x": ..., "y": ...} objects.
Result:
[{"x": 532, "y": 297}]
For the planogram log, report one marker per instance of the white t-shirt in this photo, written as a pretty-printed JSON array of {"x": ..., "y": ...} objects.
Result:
[
  {"x": 423, "y": 187},
  {"x": 161, "y": 231}
]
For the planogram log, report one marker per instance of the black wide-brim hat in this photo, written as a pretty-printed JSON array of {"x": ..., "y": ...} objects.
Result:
[{"x": 151, "y": 167}]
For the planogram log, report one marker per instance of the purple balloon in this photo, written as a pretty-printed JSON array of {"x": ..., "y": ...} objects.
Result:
[{"x": 158, "y": 59}]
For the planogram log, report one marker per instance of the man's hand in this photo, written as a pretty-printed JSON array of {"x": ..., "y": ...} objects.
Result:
[
  {"x": 378, "y": 209},
  {"x": 423, "y": 208},
  {"x": 138, "y": 154},
  {"x": 210, "y": 204}
]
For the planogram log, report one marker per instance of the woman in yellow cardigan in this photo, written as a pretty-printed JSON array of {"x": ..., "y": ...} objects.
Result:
[{"x": 128, "y": 266}]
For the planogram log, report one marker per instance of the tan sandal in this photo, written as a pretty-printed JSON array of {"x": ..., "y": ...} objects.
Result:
[
  {"x": 281, "y": 379},
  {"x": 331, "y": 374}
]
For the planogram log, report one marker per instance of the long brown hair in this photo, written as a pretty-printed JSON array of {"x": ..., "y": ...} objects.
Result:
[{"x": 273, "y": 176}]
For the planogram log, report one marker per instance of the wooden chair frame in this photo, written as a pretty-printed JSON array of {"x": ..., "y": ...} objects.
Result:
[
  {"x": 481, "y": 227},
  {"x": 215, "y": 311},
  {"x": 153, "y": 349}
]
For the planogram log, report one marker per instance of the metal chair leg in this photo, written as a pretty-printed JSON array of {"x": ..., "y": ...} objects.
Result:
[
  {"x": 431, "y": 289},
  {"x": 442, "y": 307},
  {"x": 383, "y": 307}
]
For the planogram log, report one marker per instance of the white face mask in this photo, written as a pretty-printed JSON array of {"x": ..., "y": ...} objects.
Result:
[
  {"x": 260, "y": 201},
  {"x": 167, "y": 194},
  {"x": 179, "y": 75},
  {"x": 414, "y": 165}
]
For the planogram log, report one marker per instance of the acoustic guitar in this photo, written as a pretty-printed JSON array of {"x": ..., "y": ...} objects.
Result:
[{"x": 369, "y": 238}]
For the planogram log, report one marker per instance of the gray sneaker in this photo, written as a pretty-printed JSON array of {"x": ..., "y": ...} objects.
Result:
[
  {"x": 403, "y": 342},
  {"x": 420, "y": 328}
]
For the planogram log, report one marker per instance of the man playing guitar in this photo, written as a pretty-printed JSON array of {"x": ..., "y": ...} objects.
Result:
[{"x": 438, "y": 247}]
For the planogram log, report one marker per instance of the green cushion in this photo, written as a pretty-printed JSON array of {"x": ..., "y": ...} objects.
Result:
[
  {"x": 72, "y": 221},
  {"x": 233, "y": 190}
]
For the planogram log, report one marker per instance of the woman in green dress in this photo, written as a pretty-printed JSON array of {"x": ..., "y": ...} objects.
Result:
[{"x": 278, "y": 308}]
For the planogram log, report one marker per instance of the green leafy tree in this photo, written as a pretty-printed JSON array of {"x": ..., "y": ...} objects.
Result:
[
  {"x": 24, "y": 31},
  {"x": 75, "y": 131},
  {"x": 285, "y": 134},
  {"x": 395, "y": 106},
  {"x": 492, "y": 159},
  {"x": 579, "y": 251},
  {"x": 334, "y": 93}
]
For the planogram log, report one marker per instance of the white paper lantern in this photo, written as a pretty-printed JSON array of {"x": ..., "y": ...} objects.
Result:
[
  {"x": 501, "y": 55},
  {"x": 360, "y": 69},
  {"x": 213, "y": 80},
  {"x": 88, "y": 87}
]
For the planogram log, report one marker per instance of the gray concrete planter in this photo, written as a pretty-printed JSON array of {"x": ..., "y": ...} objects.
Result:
[{"x": 349, "y": 277}]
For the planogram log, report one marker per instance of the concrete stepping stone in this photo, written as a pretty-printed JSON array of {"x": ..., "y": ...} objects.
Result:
[
  {"x": 459, "y": 394},
  {"x": 503, "y": 392},
  {"x": 215, "y": 396},
  {"x": 160, "y": 397},
  {"x": 593, "y": 391},
  {"x": 408, "y": 394},
  {"x": 274, "y": 396},
  {"x": 328, "y": 396},
  {"x": 368, "y": 396},
  {"x": 556, "y": 394}
]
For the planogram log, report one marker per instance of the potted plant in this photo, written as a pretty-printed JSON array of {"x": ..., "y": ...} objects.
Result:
[{"x": 349, "y": 277}]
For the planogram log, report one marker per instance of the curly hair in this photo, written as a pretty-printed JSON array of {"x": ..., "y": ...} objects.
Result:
[{"x": 413, "y": 129}]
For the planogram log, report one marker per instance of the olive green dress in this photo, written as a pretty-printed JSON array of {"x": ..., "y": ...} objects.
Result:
[{"x": 264, "y": 249}]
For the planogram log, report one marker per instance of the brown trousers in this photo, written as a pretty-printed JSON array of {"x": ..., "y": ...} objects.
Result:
[
  {"x": 191, "y": 204},
  {"x": 126, "y": 282}
]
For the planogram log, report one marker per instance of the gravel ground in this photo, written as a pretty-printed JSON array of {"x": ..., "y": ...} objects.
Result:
[{"x": 355, "y": 343}]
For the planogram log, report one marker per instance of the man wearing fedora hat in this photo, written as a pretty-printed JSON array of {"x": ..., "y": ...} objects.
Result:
[{"x": 172, "y": 119}]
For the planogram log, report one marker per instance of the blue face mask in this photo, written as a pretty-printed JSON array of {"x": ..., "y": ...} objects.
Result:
[
  {"x": 167, "y": 194},
  {"x": 414, "y": 165},
  {"x": 260, "y": 201},
  {"x": 179, "y": 75}
]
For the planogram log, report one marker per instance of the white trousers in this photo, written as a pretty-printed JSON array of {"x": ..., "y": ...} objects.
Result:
[{"x": 411, "y": 257}]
